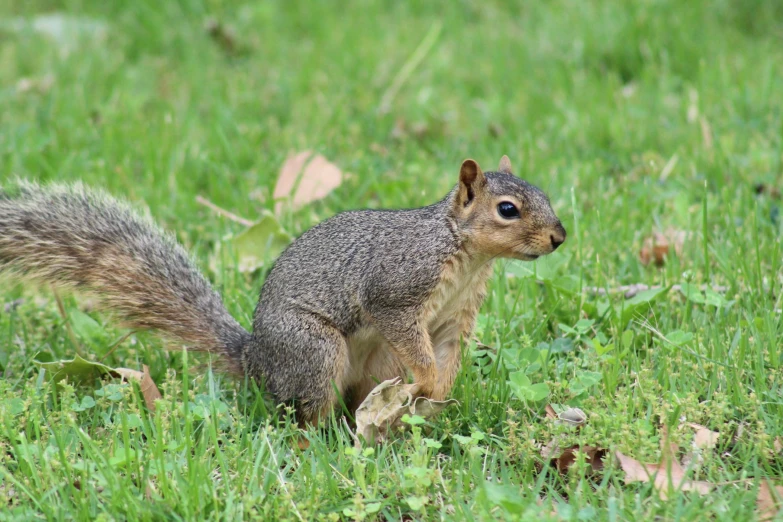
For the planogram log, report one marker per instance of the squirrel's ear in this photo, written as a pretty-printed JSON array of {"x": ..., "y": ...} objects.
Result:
[
  {"x": 505, "y": 165},
  {"x": 470, "y": 178}
]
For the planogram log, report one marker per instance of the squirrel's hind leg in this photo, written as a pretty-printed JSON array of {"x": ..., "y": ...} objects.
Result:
[{"x": 304, "y": 362}]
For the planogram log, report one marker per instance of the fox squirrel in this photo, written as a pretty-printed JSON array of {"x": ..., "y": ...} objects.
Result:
[{"x": 362, "y": 297}]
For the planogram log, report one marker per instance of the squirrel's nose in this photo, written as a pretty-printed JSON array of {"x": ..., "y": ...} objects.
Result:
[{"x": 558, "y": 236}]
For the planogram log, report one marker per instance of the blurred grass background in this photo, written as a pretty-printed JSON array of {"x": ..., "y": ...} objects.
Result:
[{"x": 632, "y": 115}]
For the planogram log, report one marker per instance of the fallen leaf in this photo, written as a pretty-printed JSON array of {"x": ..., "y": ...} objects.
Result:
[
  {"x": 383, "y": 408},
  {"x": 563, "y": 459},
  {"x": 767, "y": 506},
  {"x": 663, "y": 480},
  {"x": 264, "y": 240},
  {"x": 704, "y": 438},
  {"x": 658, "y": 247},
  {"x": 305, "y": 178},
  {"x": 667, "y": 476},
  {"x": 777, "y": 445},
  {"x": 567, "y": 458},
  {"x": 79, "y": 370},
  {"x": 148, "y": 388}
]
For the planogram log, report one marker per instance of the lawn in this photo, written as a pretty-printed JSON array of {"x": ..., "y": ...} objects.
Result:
[{"x": 636, "y": 117}]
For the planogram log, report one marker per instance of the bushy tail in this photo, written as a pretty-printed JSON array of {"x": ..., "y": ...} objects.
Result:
[{"x": 69, "y": 236}]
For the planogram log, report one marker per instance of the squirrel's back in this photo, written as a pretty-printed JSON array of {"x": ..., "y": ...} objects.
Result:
[
  {"x": 338, "y": 263},
  {"x": 68, "y": 236}
]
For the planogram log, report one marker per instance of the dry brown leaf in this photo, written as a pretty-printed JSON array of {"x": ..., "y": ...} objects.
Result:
[
  {"x": 305, "y": 178},
  {"x": 767, "y": 506},
  {"x": 148, "y": 388},
  {"x": 128, "y": 374},
  {"x": 565, "y": 459},
  {"x": 663, "y": 480},
  {"x": 550, "y": 412},
  {"x": 383, "y": 408},
  {"x": 704, "y": 438},
  {"x": 658, "y": 247},
  {"x": 667, "y": 476},
  {"x": 777, "y": 445}
]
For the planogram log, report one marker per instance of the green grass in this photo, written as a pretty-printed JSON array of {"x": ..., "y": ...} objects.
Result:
[{"x": 591, "y": 100}]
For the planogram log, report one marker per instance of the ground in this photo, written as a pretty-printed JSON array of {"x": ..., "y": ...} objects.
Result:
[{"x": 634, "y": 116}]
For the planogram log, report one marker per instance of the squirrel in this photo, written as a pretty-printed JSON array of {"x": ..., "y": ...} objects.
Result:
[{"x": 362, "y": 297}]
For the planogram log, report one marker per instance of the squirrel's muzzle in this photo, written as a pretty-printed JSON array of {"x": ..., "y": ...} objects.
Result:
[{"x": 557, "y": 236}]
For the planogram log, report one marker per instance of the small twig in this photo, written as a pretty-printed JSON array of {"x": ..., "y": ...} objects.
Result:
[
  {"x": 68, "y": 329},
  {"x": 410, "y": 65},
  {"x": 223, "y": 212},
  {"x": 631, "y": 290}
]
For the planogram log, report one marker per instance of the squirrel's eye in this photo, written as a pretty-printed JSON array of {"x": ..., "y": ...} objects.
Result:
[{"x": 507, "y": 210}]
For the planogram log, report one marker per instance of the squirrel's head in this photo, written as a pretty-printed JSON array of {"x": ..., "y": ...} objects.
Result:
[{"x": 500, "y": 215}]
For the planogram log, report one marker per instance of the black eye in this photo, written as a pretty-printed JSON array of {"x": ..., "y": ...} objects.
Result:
[{"x": 507, "y": 210}]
